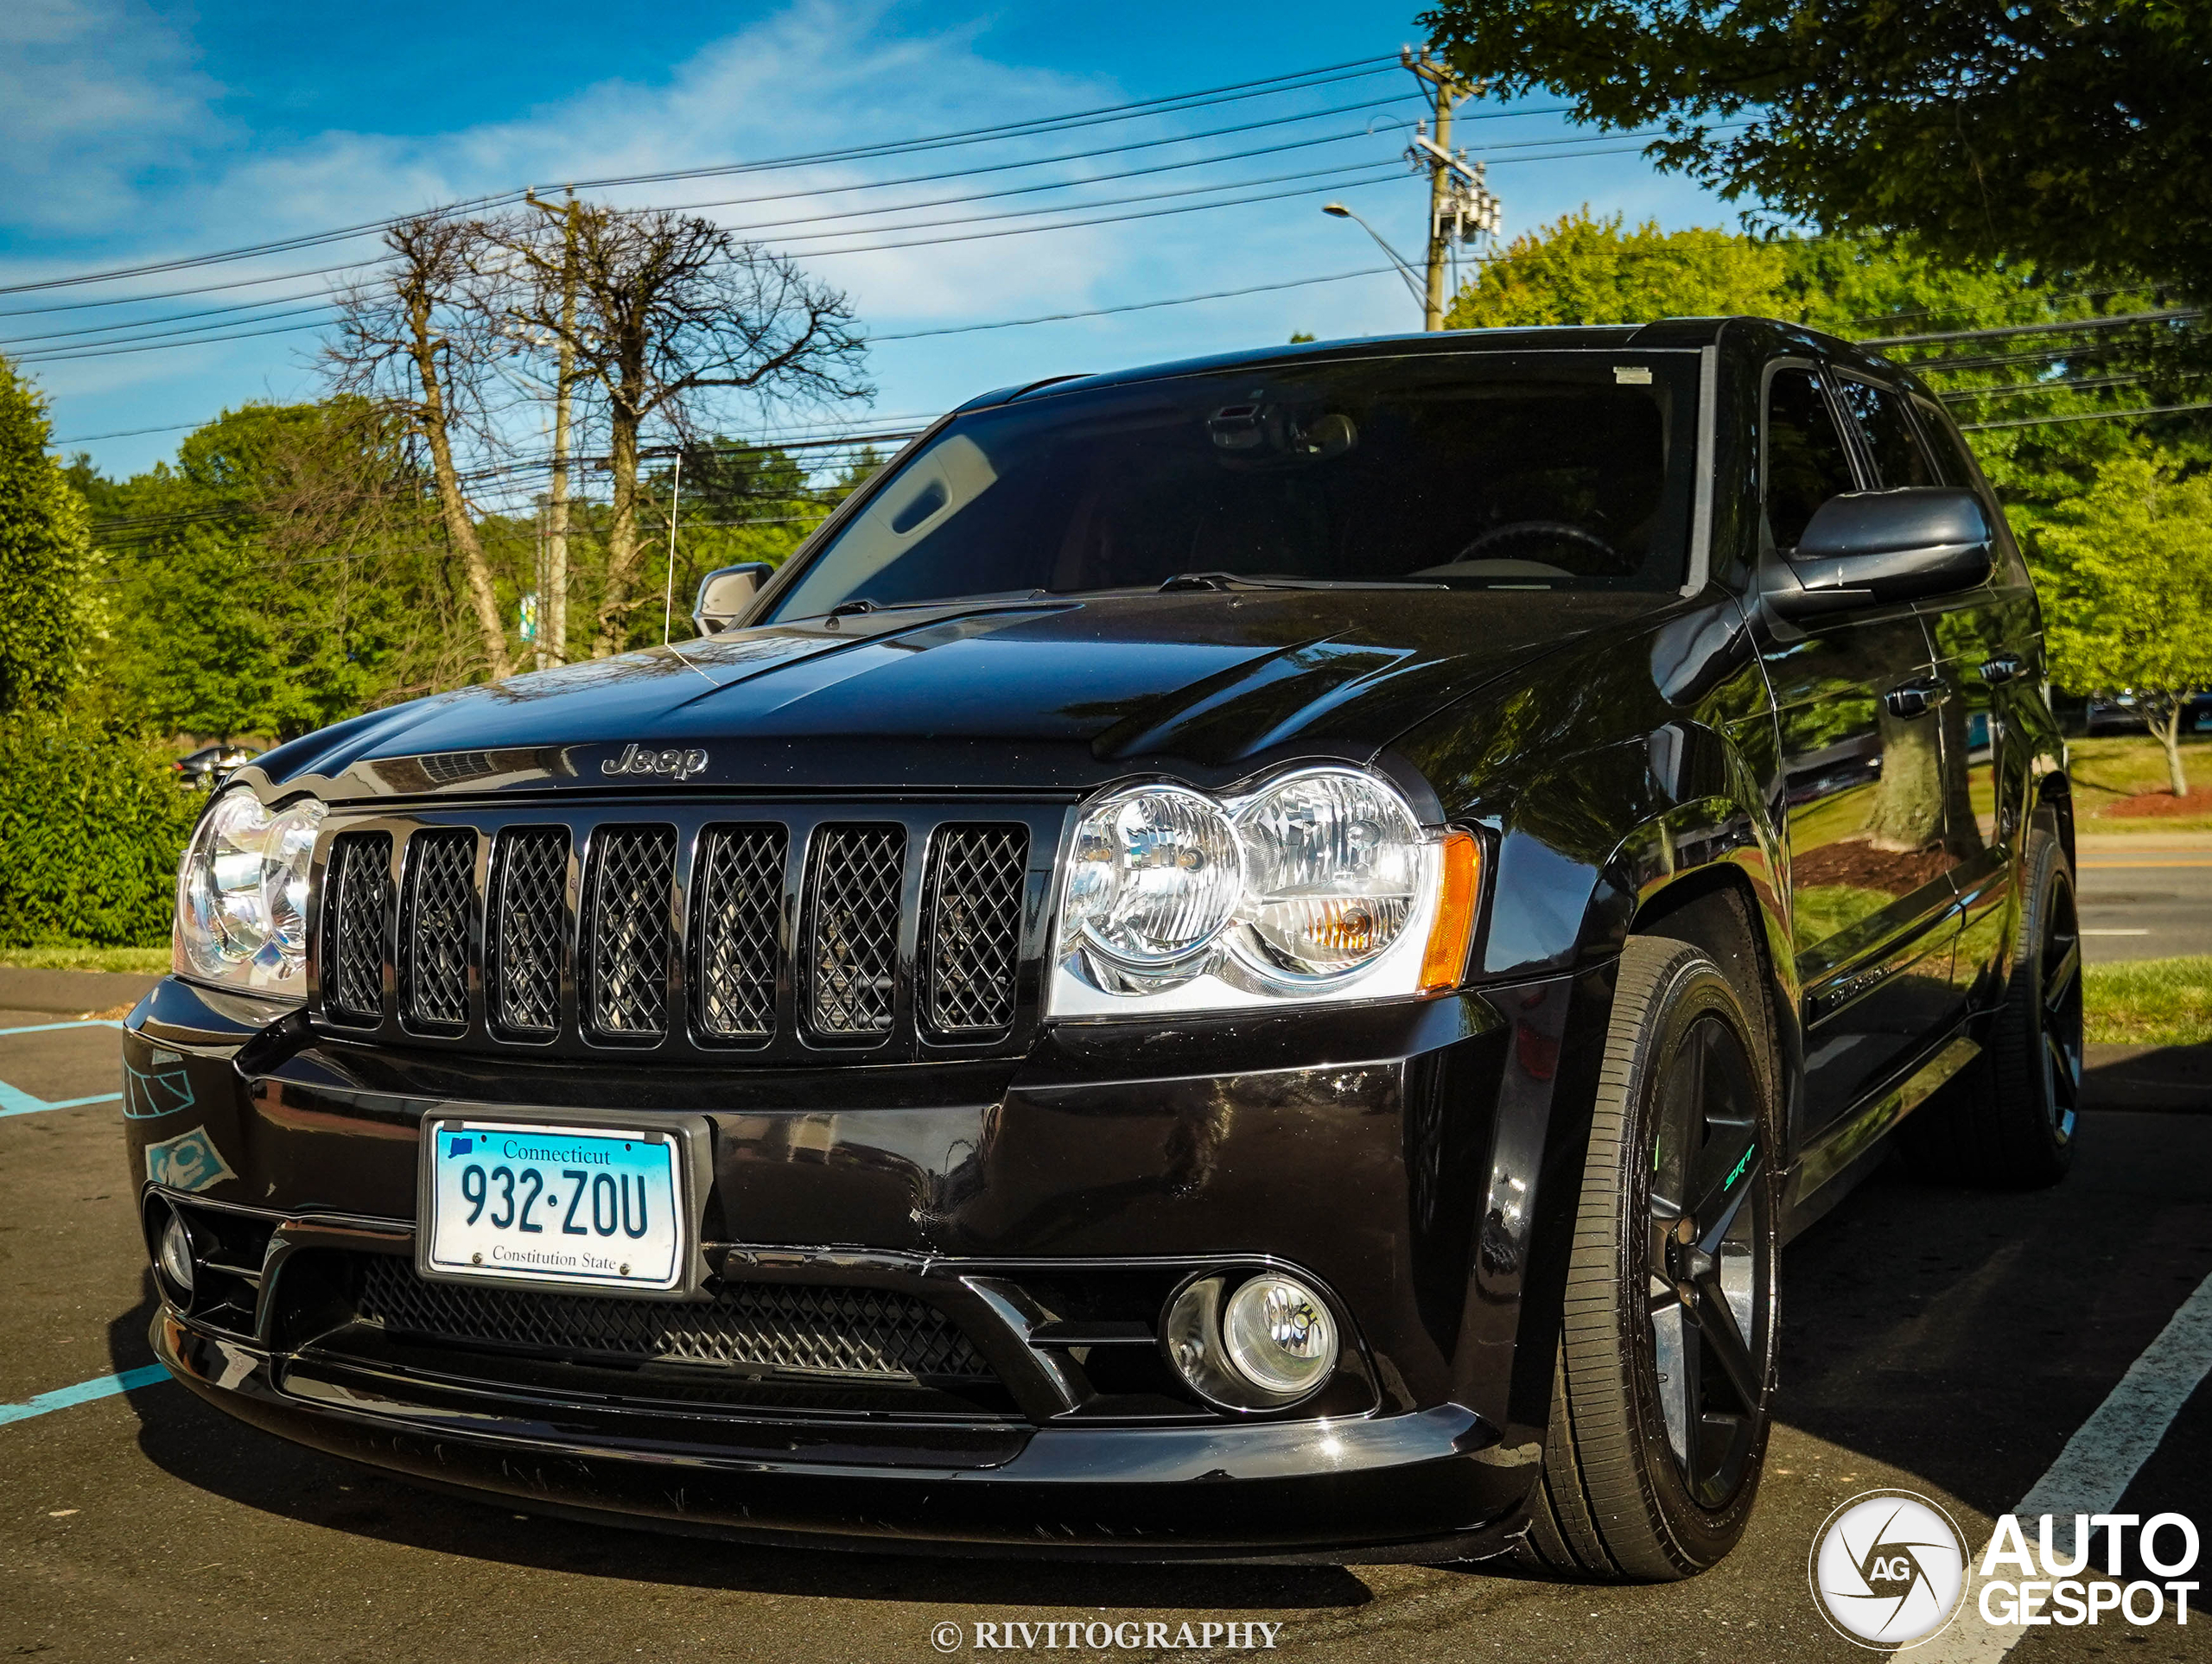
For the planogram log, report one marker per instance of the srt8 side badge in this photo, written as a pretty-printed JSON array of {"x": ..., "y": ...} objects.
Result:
[{"x": 642, "y": 759}]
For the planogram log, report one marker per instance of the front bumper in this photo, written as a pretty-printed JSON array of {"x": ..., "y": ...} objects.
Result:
[{"x": 1405, "y": 1158}]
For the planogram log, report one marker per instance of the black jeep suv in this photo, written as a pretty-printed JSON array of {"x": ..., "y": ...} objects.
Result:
[{"x": 1252, "y": 958}]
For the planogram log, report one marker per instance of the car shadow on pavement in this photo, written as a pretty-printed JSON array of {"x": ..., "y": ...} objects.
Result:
[
  {"x": 207, "y": 1450},
  {"x": 1962, "y": 1335}
]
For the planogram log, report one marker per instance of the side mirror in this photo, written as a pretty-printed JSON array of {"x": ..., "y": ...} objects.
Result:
[
  {"x": 725, "y": 592},
  {"x": 1865, "y": 547}
]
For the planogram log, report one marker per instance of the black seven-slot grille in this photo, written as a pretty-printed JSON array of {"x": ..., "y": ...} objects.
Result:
[
  {"x": 594, "y": 907},
  {"x": 866, "y": 1333}
]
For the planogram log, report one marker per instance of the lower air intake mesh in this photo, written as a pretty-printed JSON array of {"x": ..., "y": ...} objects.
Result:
[{"x": 844, "y": 1331}]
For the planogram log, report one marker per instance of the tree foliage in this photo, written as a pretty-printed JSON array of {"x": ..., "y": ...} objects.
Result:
[
  {"x": 2073, "y": 136},
  {"x": 2125, "y": 572},
  {"x": 1583, "y": 270},
  {"x": 45, "y": 552}
]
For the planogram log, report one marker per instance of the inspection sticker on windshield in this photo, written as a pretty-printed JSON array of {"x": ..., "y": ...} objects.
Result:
[
  {"x": 515, "y": 1203},
  {"x": 1631, "y": 375}
]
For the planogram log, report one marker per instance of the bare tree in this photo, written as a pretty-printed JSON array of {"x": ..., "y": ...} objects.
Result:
[
  {"x": 416, "y": 335},
  {"x": 672, "y": 307}
]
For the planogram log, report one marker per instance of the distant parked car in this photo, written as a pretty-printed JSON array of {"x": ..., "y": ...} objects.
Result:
[{"x": 211, "y": 765}]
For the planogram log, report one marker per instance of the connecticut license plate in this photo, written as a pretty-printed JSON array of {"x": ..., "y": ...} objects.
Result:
[{"x": 510, "y": 1202}]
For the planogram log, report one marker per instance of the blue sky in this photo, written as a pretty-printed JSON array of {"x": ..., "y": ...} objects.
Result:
[{"x": 130, "y": 132}]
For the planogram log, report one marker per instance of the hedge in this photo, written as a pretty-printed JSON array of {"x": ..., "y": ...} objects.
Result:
[{"x": 90, "y": 828}]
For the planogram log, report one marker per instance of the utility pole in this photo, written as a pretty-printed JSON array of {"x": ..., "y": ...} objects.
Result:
[
  {"x": 553, "y": 605},
  {"x": 1460, "y": 206}
]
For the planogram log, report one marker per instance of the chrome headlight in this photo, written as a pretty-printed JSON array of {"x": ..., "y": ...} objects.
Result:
[
  {"x": 242, "y": 895},
  {"x": 1319, "y": 885}
]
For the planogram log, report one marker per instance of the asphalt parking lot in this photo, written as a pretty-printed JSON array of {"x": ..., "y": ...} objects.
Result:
[{"x": 1941, "y": 1341}]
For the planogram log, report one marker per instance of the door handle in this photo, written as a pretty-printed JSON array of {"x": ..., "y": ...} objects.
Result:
[
  {"x": 1917, "y": 697},
  {"x": 2005, "y": 667}
]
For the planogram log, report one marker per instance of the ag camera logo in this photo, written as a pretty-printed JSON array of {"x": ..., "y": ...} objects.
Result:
[{"x": 1887, "y": 1569}]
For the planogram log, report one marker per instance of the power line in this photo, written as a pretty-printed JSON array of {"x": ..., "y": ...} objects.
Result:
[
  {"x": 2083, "y": 416},
  {"x": 1135, "y": 306},
  {"x": 2172, "y": 315},
  {"x": 1172, "y": 104}
]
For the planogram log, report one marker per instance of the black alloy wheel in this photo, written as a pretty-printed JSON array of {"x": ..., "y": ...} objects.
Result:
[
  {"x": 1712, "y": 1291},
  {"x": 1664, "y": 1390},
  {"x": 2010, "y": 1119}
]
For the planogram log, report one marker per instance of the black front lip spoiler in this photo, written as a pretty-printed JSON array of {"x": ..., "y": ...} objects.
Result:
[{"x": 1434, "y": 1485}]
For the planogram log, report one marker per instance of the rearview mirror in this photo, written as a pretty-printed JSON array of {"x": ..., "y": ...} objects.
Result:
[
  {"x": 1865, "y": 547},
  {"x": 725, "y": 592}
]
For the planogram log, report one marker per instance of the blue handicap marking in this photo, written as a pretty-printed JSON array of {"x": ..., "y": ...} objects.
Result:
[
  {"x": 189, "y": 1162},
  {"x": 162, "y": 1089}
]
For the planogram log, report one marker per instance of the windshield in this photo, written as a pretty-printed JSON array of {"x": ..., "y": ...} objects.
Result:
[{"x": 1548, "y": 471}]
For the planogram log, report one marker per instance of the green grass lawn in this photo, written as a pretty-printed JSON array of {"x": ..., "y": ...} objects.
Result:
[
  {"x": 144, "y": 961},
  {"x": 2150, "y": 1001}
]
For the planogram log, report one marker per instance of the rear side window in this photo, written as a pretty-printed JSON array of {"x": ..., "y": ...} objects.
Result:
[
  {"x": 1806, "y": 462},
  {"x": 1952, "y": 465},
  {"x": 1898, "y": 458}
]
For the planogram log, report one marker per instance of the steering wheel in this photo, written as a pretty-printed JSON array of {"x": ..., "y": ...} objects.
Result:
[{"x": 1522, "y": 531}]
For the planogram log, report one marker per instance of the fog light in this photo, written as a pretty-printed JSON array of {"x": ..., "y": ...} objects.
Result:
[
  {"x": 177, "y": 1252},
  {"x": 1279, "y": 1336},
  {"x": 1263, "y": 1347}
]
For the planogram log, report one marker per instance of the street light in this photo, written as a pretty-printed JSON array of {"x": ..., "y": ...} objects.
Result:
[{"x": 1413, "y": 283}]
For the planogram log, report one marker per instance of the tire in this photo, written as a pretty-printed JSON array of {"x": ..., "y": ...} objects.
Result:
[
  {"x": 2008, "y": 1123},
  {"x": 1686, "y": 1104}
]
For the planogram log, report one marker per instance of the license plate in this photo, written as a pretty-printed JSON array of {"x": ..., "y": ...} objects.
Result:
[{"x": 518, "y": 1202}]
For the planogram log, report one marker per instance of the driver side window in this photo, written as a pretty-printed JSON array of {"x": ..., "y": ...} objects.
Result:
[{"x": 1806, "y": 461}]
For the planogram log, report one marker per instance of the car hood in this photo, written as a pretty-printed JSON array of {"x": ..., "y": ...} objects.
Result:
[{"x": 1049, "y": 695}]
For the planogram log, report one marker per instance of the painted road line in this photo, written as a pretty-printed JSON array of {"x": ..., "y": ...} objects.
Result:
[
  {"x": 84, "y": 1392},
  {"x": 2100, "y": 866},
  {"x": 2095, "y": 1470},
  {"x": 14, "y": 1101},
  {"x": 48, "y": 1028}
]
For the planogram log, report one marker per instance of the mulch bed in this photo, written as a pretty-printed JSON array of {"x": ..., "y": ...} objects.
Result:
[
  {"x": 1865, "y": 867},
  {"x": 2158, "y": 805}
]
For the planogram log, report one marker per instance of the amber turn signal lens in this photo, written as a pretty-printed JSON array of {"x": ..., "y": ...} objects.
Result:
[{"x": 1445, "y": 961}]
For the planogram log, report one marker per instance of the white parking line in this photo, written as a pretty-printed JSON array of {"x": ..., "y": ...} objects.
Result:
[{"x": 2092, "y": 1472}]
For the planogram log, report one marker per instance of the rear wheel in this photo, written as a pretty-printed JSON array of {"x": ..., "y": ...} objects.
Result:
[
  {"x": 2010, "y": 1119},
  {"x": 1661, "y": 1399}
]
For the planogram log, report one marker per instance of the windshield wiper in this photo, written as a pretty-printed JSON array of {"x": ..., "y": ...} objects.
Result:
[{"x": 1242, "y": 581}]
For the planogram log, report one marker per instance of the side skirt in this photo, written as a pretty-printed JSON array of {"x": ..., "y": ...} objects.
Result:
[{"x": 1846, "y": 1152}]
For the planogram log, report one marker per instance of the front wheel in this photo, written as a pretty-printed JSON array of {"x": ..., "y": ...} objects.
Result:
[{"x": 1664, "y": 1382}]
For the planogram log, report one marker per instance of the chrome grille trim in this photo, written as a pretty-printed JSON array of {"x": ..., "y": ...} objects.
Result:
[
  {"x": 528, "y": 911},
  {"x": 972, "y": 950},
  {"x": 434, "y": 938},
  {"x": 357, "y": 900},
  {"x": 633, "y": 875}
]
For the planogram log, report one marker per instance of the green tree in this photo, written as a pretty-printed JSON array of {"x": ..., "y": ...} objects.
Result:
[
  {"x": 1581, "y": 270},
  {"x": 2076, "y": 137},
  {"x": 44, "y": 551},
  {"x": 2125, "y": 571},
  {"x": 286, "y": 572}
]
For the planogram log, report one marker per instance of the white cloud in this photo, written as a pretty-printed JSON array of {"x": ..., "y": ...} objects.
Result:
[{"x": 93, "y": 94}]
